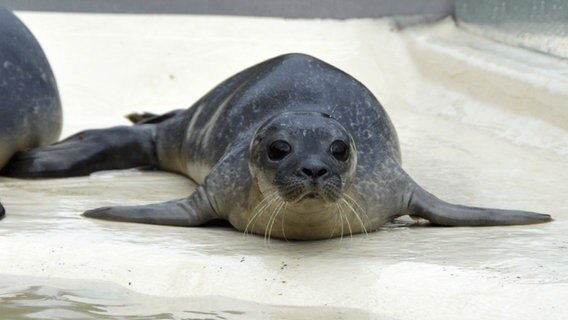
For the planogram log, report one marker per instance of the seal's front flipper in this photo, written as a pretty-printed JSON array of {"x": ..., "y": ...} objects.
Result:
[
  {"x": 87, "y": 152},
  {"x": 423, "y": 204},
  {"x": 2, "y": 212},
  {"x": 192, "y": 211}
]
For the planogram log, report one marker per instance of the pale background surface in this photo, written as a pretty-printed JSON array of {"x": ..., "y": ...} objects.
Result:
[{"x": 476, "y": 127}]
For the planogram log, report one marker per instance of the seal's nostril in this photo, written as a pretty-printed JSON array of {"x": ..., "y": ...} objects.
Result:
[
  {"x": 308, "y": 172},
  {"x": 314, "y": 172}
]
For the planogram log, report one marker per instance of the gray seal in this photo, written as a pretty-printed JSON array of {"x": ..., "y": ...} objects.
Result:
[
  {"x": 290, "y": 148},
  {"x": 30, "y": 108}
]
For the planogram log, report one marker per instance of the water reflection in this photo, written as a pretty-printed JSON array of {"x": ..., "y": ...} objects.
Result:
[{"x": 64, "y": 299}]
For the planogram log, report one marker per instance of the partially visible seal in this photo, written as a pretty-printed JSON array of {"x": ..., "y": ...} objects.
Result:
[
  {"x": 289, "y": 148},
  {"x": 30, "y": 108}
]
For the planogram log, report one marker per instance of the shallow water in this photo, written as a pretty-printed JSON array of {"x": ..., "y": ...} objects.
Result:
[
  {"x": 466, "y": 148},
  {"x": 63, "y": 299}
]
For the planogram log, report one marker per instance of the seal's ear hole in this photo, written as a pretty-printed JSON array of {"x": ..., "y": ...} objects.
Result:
[
  {"x": 278, "y": 150},
  {"x": 339, "y": 150}
]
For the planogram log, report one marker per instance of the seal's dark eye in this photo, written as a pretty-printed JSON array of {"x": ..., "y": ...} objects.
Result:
[
  {"x": 278, "y": 150},
  {"x": 339, "y": 150}
]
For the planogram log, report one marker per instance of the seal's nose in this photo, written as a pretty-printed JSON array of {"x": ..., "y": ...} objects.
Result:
[{"x": 314, "y": 170}]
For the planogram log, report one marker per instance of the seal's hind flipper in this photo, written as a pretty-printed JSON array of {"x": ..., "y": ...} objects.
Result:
[
  {"x": 136, "y": 117},
  {"x": 147, "y": 117},
  {"x": 425, "y": 205},
  {"x": 87, "y": 152},
  {"x": 192, "y": 211}
]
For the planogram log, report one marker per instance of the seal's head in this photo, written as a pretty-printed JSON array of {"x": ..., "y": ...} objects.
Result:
[{"x": 308, "y": 159}]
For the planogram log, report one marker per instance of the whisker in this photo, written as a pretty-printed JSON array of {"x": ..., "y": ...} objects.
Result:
[
  {"x": 352, "y": 200},
  {"x": 356, "y": 214},
  {"x": 340, "y": 211},
  {"x": 349, "y": 227},
  {"x": 272, "y": 216},
  {"x": 270, "y": 221},
  {"x": 278, "y": 209},
  {"x": 259, "y": 209},
  {"x": 266, "y": 243},
  {"x": 335, "y": 223},
  {"x": 282, "y": 222}
]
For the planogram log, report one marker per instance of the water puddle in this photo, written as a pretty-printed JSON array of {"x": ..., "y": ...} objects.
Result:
[{"x": 35, "y": 298}]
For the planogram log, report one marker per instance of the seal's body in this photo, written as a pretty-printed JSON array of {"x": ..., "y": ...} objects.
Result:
[
  {"x": 290, "y": 148},
  {"x": 30, "y": 108}
]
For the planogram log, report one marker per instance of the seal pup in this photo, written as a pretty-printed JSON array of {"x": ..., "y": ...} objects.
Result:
[
  {"x": 289, "y": 148},
  {"x": 30, "y": 108}
]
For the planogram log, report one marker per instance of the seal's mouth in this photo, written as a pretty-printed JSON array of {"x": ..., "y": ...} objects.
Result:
[
  {"x": 312, "y": 196},
  {"x": 300, "y": 191}
]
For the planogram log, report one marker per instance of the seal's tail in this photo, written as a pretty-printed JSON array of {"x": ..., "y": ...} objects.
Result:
[{"x": 423, "y": 204}]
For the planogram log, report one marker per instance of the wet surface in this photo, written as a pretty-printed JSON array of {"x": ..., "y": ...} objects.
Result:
[
  {"x": 50, "y": 210},
  {"x": 460, "y": 149},
  {"x": 60, "y": 299}
]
